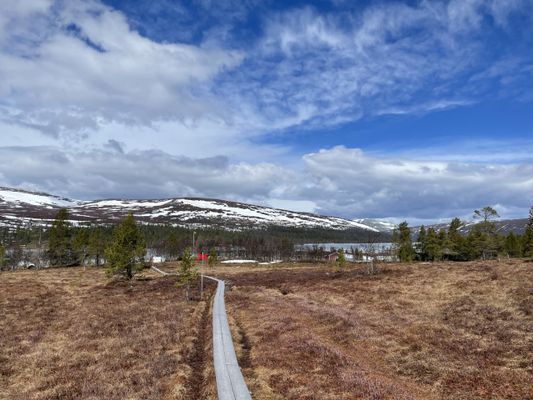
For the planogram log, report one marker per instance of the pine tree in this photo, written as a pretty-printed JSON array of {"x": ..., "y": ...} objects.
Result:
[
  {"x": 512, "y": 245},
  {"x": 171, "y": 245},
  {"x": 213, "y": 258},
  {"x": 341, "y": 258},
  {"x": 488, "y": 238},
  {"x": 187, "y": 273},
  {"x": 127, "y": 250},
  {"x": 402, "y": 239},
  {"x": 422, "y": 243},
  {"x": 486, "y": 214},
  {"x": 443, "y": 237},
  {"x": 475, "y": 242},
  {"x": 455, "y": 225},
  {"x": 456, "y": 241},
  {"x": 433, "y": 247},
  {"x": 97, "y": 244},
  {"x": 60, "y": 250},
  {"x": 80, "y": 244},
  {"x": 527, "y": 238},
  {"x": 357, "y": 254}
]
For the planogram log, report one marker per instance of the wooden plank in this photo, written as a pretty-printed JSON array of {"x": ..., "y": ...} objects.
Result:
[{"x": 230, "y": 382}]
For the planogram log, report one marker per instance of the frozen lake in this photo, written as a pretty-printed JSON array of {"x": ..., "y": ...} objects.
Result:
[{"x": 377, "y": 247}]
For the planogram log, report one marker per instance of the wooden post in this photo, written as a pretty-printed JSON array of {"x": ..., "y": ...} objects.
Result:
[{"x": 202, "y": 286}]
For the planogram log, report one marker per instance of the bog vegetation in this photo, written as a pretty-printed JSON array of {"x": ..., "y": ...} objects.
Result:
[
  {"x": 69, "y": 333},
  {"x": 416, "y": 331}
]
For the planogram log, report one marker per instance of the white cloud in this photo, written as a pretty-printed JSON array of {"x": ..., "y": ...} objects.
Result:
[
  {"x": 473, "y": 151},
  {"x": 298, "y": 30},
  {"x": 312, "y": 70},
  {"x": 78, "y": 66},
  {"x": 353, "y": 183},
  {"x": 88, "y": 66},
  {"x": 14, "y": 13},
  {"x": 127, "y": 116},
  {"x": 137, "y": 174},
  {"x": 336, "y": 181}
]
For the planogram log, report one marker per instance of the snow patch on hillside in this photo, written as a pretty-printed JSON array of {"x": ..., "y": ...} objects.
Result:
[
  {"x": 126, "y": 203},
  {"x": 378, "y": 224},
  {"x": 176, "y": 212},
  {"x": 20, "y": 197}
]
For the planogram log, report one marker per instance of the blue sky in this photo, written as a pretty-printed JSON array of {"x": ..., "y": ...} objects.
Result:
[{"x": 417, "y": 110}]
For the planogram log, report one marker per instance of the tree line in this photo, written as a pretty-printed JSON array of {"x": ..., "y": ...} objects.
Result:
[
  {"x": 66, "y": 245},
  {"x": 482, "y": 241}
]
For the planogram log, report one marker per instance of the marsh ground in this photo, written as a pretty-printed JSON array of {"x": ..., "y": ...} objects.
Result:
[
  {"x": 419, "y": 331},
  {"x": 72, "y": 334}
]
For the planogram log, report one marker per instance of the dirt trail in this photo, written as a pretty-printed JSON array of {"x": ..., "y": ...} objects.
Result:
[{"x": 199, "y": 357}]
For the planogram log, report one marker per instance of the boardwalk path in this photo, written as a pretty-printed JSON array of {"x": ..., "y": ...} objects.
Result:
[{"x": 230, "y": 382}]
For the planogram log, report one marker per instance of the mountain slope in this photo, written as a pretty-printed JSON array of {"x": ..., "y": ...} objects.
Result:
[
  {"x": 18, "y": 207},
  {"x": 380, "y": 225},
  {"x": 503, "y": 226}
]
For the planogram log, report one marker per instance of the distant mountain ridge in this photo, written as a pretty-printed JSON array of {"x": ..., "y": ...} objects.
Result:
[
  {"x": 380, "y": 225},
  {"x": 20, "y": 207},
  {"x": 503, "y": 226}
]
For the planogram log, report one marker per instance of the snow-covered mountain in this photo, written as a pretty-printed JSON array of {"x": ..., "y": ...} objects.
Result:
[
  {"x": 503, "y": 226},
  {"x": 18, "y": 207},
  {"x": 21, "y": 198},
  {"x": 380, "y": 225}
]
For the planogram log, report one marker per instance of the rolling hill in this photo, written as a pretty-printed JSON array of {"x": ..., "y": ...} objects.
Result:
[{"x": 22, "y": 208}]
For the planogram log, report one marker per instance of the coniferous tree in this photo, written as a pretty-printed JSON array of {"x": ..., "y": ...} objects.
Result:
[
  {"x": 60, "y": 252},
  {"x": 433, "y": 246},
  {"x": 527, "y": 238},
  {"x": 475, "y": 244},
  {"x": 171, "y": 245},
  {"x": 80, "y": 244},
  {"x": 341, "y": 258},
  {"x": 486, "y": 214},
  {"x": 443, "y": 237},
  {"x": 404, "y": 245},
  {"x": 456, "y": 241},
  {"x": 422, "y": 243},
  {"x": 97, "y": 245},
  {"x": 187, "y": 272},
  {"x": 127, "y": 250},
  {"x": 487, "y": 240},
  {"x": 454, "y": 227},
  {"x": 213, "y": 258},
  {"x": 512, "y": 245}
]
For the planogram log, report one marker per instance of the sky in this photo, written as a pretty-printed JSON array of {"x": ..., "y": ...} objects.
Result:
[{"x": 401, "y": 110}]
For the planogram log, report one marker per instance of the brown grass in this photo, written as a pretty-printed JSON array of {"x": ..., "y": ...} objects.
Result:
[
  {"x": 420, "y": 331},
  {"x": 70, "y": 334}
]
